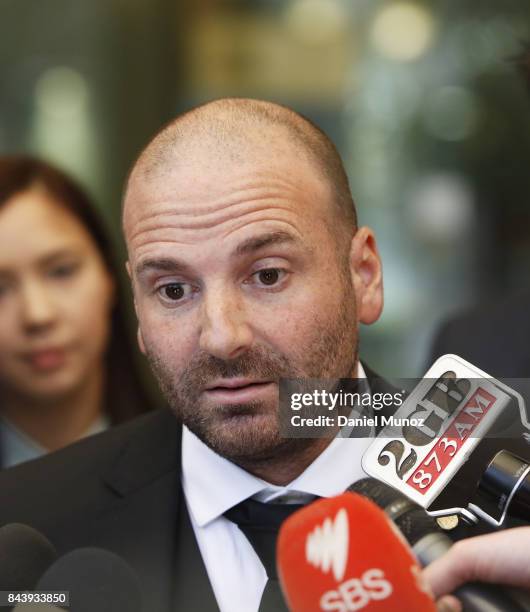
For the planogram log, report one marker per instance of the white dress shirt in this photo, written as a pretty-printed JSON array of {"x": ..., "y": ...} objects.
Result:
[{"x": 213, "y": 484}]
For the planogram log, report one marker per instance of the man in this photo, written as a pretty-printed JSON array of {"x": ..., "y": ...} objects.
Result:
[
  {"x": 247, "y": 266},
  {"x": 230, "y": 288}
]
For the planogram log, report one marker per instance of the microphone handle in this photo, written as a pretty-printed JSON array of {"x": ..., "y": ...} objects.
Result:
[{"x": 475, "y": 596}]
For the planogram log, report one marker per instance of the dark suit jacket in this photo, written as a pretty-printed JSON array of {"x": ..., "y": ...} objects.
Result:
[{"x": 120, "y": 490}]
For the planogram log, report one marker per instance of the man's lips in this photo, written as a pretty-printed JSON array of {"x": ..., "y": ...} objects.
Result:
[
  {"x": 234, "y": 383},
  {"x": 238, "y": 390}
]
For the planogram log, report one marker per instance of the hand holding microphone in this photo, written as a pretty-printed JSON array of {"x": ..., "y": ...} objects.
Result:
[{"x": 502, "y": 557}]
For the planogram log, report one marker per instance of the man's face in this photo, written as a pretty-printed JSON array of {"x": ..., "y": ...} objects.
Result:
[{"x": 238, "y": 282}]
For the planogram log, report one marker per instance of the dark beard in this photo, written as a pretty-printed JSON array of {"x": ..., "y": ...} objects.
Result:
[
  {"x": 248, "y": 434},
  {"x": 227, "y": 429}
]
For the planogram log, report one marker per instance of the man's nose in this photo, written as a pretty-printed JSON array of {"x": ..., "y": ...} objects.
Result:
[
  {"x": 37, "y": 307},
  {"x": 225, "y": 330}
]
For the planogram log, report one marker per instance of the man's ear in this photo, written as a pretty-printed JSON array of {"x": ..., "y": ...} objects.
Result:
[
  {"x": 367, "y": 275},
  {"x": 139, "y": 336}
]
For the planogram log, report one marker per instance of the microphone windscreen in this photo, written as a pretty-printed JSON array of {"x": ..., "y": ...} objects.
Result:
[
  {"x": 411, "y": 519},
  {"x": 344, "y": 554},
  {"x": 96, "y": 580},
  {"x": 25, "y": 554}
]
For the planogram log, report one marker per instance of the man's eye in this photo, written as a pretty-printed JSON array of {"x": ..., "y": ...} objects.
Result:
[
  {"x": 269, "y": 276},
  {"x": 173, "y": 291}
]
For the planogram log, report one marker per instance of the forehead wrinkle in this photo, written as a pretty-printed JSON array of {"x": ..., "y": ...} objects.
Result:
[
  {"x": 296, "y": 231},
  {"x": 166, "y": 222},
  {"x": 248, "y": 180},
  {"x": 145, "y": 242},
  {"x": 197, "y": 204},
  {"x": 210, "y": 218}
]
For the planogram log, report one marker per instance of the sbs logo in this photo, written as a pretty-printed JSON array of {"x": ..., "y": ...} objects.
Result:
[
  {"x": 327, "y": 549},
  {"x": 356, "y": 593},
  {"x": 327, "y": 545}
]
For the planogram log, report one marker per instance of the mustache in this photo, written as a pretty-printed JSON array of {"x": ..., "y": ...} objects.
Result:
[{"x": 256, "y": 363}]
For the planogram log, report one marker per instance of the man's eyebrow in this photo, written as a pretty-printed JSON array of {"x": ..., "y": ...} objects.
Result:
[
  {"x": 170, "y": 264},
  {"x": 259, "y": 242},
  {"x": 163, "y": 264}
]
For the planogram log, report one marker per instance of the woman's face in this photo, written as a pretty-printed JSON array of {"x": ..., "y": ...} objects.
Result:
[{"x": 56, "y": 296}]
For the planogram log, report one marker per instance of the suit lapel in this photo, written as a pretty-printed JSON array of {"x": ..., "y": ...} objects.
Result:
[
  {"x": 148, "y": 524},
  {"x": 193, "y": 590},
  {"x": 140, "y": 527},
  {"x": 139, "y": 523}
]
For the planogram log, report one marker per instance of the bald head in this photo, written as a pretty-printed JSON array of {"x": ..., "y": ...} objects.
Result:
[{"x": 239, "y": 130}]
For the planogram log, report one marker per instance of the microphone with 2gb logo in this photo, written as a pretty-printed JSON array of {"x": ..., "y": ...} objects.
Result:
[{"x": 443, "y": 447}]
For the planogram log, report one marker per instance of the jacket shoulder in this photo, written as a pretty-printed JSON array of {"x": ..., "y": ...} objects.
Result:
[{"x": 75, "y": 476}]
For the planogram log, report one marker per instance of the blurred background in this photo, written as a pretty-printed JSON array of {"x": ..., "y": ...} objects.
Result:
[{"x": 422, "y": 100}]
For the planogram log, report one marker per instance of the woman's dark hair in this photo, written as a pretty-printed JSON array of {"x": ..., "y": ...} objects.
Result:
[{"x": 125, "y": 395}]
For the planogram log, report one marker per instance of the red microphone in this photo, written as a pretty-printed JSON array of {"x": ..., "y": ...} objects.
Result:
[{"x": 343, "y": 554}]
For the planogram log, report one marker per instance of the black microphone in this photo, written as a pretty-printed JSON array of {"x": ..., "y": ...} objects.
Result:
[
  {"x": 429, "y": 543},
  {"x": 25, "y": 554},
  {"x": 504, "y": 488},
  {"x": 96, "y": 579}
]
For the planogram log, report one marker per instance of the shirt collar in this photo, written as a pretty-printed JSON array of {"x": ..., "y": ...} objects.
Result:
[{"x": 213, "y": 484}]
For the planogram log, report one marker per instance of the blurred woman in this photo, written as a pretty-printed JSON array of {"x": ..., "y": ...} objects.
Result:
[{"x": 66, "y": 364}]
